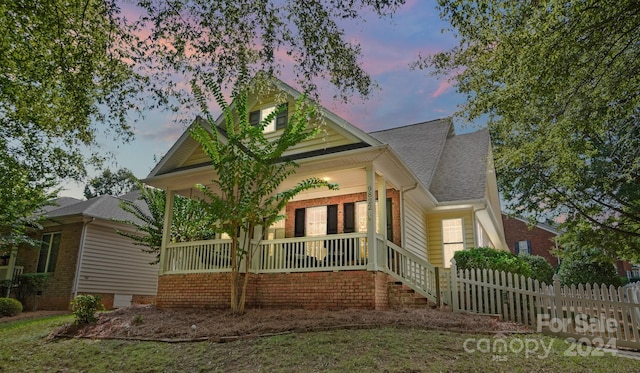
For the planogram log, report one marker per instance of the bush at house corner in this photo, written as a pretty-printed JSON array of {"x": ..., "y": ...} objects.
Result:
[{"x": 532, "y": 266}]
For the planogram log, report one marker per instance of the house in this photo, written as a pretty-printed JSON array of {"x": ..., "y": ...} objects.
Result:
[
  {"x": 522, "y": 238},
  {"x": 340, "y": 249},
  {"x": 84, "y": 255},
  {"x": 539, "y": 239}
]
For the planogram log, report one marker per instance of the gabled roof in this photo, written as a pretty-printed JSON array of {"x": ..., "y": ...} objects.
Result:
[
  {"x": 462, "y": 170},
  {"x": 102, "y": 207},
  {"x": 185, "y": 146},
  {"x": 419, "y": 145}
]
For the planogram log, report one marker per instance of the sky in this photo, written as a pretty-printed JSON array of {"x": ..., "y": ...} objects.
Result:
[{"x": 389, "y": 46}]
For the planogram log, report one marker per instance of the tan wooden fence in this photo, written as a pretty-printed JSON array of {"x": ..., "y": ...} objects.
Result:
[{"x": 591, "y": 314}]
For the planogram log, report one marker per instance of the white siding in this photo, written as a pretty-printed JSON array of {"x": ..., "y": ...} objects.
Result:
[
  {"x": 111, "y": 263},
  {"x": 415, "y": 229}
]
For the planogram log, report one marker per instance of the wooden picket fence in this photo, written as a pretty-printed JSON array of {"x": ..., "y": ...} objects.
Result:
[{"x": 591, "y": 314}]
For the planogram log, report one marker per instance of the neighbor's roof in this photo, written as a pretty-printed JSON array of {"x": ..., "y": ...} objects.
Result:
[
  {"x": 452, "y": 167},
  {"x": 103, "y": 207}
]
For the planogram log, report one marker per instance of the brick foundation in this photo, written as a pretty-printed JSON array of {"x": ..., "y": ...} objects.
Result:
[{"x": 311, "y": 290}]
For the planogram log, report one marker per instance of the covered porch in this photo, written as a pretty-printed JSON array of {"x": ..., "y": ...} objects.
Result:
[{"x": 340, "y": 231}]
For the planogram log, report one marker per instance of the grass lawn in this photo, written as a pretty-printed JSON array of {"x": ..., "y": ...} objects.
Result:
[{"x": 24, "y": 348}]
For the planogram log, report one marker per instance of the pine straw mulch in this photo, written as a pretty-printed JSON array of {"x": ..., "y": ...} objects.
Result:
[{"x": 181, "y": 325}]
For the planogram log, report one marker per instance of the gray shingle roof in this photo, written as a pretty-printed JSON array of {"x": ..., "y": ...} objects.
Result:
[
  {"x": 453, "y": 167},
  {"x": 103, "y": 207},
  {"x": 419, "y": 145},
  {"x": 462, "y": 171}
]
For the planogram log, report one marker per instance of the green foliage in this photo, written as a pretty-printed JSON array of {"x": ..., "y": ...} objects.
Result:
[
  {"x": 541, "y": 270},
  {"x": 64, "y": 80},
  {"x": 489, "y": 258},
  {"x": 587, "y": 267},
  {"x": 111, "y": 183},
  {"x": 30, "y": 284},
  {"x": 190, "y": 221},
  {"x": 248, "y": 37},
  {"x": 10, "y": 307},
  {"x": 558, "y": 81},
  {"x": 249, "y": 168},
  {"x": 84, "y": 308}
]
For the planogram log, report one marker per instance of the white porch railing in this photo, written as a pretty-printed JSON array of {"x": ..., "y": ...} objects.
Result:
[
  {"x": 4, "y": 272},
  {"x": 305, "y": 254},
  {"x": 198, "y": 256},
  {"x": 301, "y": 254},
  {"x": 414, "y": 272}
]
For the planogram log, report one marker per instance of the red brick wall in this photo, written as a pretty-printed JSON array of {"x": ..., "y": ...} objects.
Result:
[
  {"x": 340, "y": 200},
  {"x": 541, "y": 240},
  {"x": 312, "y": 290},
  {"x": 60, "y": 288}
]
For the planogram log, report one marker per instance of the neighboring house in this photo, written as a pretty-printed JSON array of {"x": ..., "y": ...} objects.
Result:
[
  {"x": 338, "y": 249},
  {"x": 84, "y": 255},
  {"x": 540, "y": 240},
  {"x": 535, "y": 240}
]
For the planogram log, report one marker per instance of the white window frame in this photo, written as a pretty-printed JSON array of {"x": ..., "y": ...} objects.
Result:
[
  {"x": 451, "y": 244},
  {"x": 49, "y": 247}
]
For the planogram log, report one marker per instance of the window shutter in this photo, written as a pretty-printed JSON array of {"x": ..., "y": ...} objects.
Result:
[
  {"x": 283, "y": 116},
  {"x": 299, "y": 223},
  {"x": 349, "y": 217},
  {"x": 332, "y": 219},
  {"x": 254, "y": 118},
  {"x": 529, "y": 247},
  {"x": 389, "y": 220}
]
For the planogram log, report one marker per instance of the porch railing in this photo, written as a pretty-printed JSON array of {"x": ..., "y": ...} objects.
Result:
[
  {"x": 414, "y": 271},
  {"x": 15, "y": 272},
  {"x": 198, "y": 256},
  {"x": 305, "y": 254},
  {"x": 301, "y": 254}
]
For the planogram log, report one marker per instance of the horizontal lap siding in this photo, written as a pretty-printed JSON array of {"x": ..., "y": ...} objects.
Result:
[
  {"x": 111, "y": 263},
  {"x": 434, "y": 224},
  {"x": 327, "y": 138},
  {"x": 415, "y": 229}
]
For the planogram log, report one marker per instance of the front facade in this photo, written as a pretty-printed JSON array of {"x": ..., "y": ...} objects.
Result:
[
  {"x": 83, "y": 254},
  {"x": 409, "y": 198}
]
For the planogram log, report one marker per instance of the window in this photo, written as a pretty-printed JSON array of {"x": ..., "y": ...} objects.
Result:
[
  {"x": 279, "y": 122},
  {"x": 452, "y": 239},
  {"x": 48, "y": 252},
  {"x": 523, "y": 247},
  {"x": 482, "y": 239},
  {"x": 316, "y": 221}
]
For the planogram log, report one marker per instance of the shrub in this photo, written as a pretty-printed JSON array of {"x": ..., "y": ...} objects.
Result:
[
  {"x": 10, "y": 307},
  {"x": 31, "y": 284},
  {"x": 84, "y": 308},
  {"x": 587, "y": 267},
  {"x": 489, "y": 258},
  {"x": 541, "y": 270}
]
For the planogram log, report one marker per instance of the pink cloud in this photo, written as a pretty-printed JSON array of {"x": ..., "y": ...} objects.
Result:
[{"x": 442, "y": 88}]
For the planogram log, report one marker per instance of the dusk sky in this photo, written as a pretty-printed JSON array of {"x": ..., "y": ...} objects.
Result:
[{"x": 389, "y": 46}]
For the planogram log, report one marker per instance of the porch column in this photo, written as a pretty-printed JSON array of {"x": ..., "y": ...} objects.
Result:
[
  {"x": 371, "y": 218},
  {"x": 166, "y": 229},
  {"x": 382, "y": 220},
  {"x": 12, "y": 263}
]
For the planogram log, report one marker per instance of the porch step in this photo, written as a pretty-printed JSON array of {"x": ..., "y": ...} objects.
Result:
[{"x": 402, "y": 296}]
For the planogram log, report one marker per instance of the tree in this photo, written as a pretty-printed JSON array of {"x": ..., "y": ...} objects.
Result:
[
  {"x": 559, "y": 83},
  {"x": 190, "y": 221},
  {"x": 219, "y": 40},
  {"x": 591, "y": 266},
  {"x": 111, "y": 183},
  {"x": 64, "y": 80},
  {"x": 249, "y": 169}
]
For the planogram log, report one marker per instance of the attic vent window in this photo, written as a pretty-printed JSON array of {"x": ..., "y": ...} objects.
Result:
[{"x": 279, "y": 122}]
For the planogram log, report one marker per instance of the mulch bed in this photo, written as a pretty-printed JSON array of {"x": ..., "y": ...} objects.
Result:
[{"x": 180, "y": 325}]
